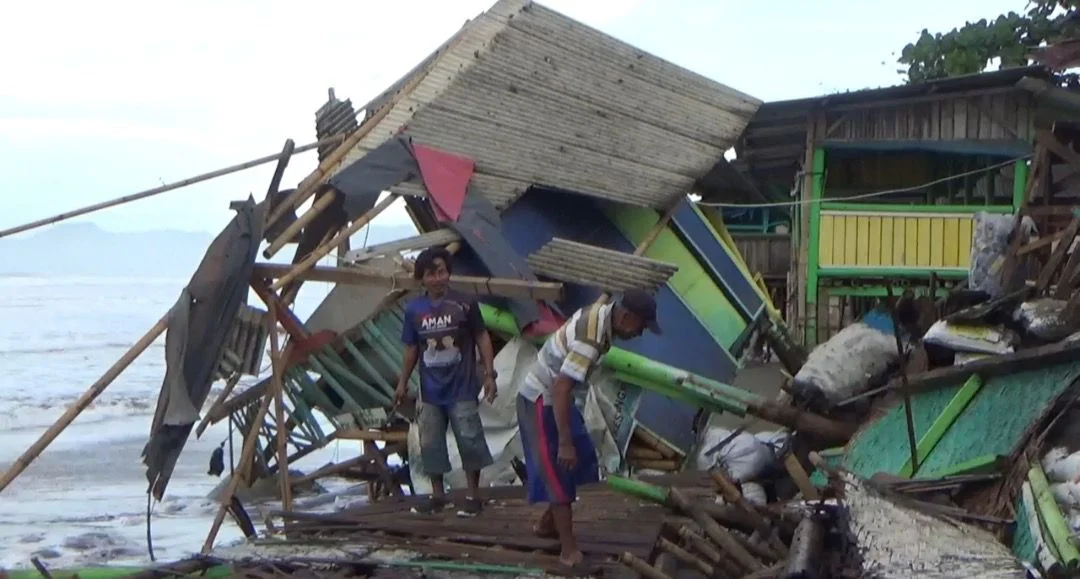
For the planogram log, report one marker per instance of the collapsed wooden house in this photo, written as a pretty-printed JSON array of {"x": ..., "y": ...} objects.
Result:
[{"x": 570, "y": 155}]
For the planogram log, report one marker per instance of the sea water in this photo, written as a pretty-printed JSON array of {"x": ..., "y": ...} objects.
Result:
[{"x": 83, "y": 500}]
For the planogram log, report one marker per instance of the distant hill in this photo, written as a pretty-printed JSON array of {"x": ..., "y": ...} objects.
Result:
[{"x": 84, "y": 249}]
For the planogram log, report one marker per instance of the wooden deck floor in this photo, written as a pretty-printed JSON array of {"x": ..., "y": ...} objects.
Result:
[{"x": 607, "y": 525}]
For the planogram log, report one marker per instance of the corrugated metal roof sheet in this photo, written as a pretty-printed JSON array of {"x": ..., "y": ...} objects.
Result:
[
  {"x": 610, "y": 270},
  {"x": 537, "y": 98}
]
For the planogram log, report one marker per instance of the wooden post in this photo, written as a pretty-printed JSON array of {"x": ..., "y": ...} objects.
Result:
[
  {"x": 82, "y": 403},
  {"x": 246, "y": 456},
  {"x": 323, "y": 250},
  {"x": 908, "y": 414},
  {"x": 278, "y": 386},
  {"x": 159, "y": 190}
]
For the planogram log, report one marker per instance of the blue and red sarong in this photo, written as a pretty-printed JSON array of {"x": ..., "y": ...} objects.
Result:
[{"x": 548, "y": 481}]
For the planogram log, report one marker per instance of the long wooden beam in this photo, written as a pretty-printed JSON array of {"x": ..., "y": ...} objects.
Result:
[{"x": 358, "y": 274}]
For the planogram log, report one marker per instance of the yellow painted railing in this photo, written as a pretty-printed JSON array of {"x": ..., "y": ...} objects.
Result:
[{"x": 897, "y": 240}]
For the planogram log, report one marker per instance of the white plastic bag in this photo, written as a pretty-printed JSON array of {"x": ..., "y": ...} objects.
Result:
[{"x": 988, "y": 244}]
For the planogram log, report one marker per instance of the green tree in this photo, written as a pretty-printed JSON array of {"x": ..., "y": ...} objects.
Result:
[{"x": 971, "y": 48}]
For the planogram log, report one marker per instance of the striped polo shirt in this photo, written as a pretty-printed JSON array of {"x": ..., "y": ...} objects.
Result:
[{"x": 572, "y": 351}]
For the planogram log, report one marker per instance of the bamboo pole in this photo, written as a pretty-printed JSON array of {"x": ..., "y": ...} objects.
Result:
[
  {"x": 229, "y": 387},
  {"x": 641, "y": 567},
  {"x": 722, "y": 564},
  {"x": 717, "y": 534},
  {"x": 324, "y": 250},
  {"x": 82, "y": 403},
  {"x": 246, "y": 456},
  {"x": 685, "y": 556},
  {"x": 158, "y": 190},
  {"x": 295, "y": 227},
  {"x": 278, "y": 386}
]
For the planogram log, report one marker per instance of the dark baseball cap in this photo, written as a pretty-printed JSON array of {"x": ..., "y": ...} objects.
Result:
[{"x": 643, "y": 305}]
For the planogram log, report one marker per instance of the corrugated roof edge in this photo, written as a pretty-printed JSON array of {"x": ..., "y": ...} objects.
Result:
[{"x": 984, "y": 80}]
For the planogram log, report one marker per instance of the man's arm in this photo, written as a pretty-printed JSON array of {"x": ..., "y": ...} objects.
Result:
[
  {"x": 483, "y": 339},
  {"x": 408, "y": 363},
  {"x": 575, "y": 368},
  {"x": 410, "y": 338}
]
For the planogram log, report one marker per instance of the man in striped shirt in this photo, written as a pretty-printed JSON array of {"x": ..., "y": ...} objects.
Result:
[{"x": 559, "y": 455}]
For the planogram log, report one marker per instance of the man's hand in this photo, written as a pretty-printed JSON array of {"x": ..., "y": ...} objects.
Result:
[
  {"x": 567, "y": 456},
  {"x": 401, "y": 393},
  {"x": 491, "y": 390}
]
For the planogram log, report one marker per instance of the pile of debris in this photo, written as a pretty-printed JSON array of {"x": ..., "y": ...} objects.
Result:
[{"x": 970, "y": 396}]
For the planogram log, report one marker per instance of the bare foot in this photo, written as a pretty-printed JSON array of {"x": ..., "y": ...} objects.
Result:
[
  {"x": 573, "y": 559},
  {"x": 545, "y": 529}
]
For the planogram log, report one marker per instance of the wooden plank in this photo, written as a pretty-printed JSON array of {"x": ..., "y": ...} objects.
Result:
[
  {"x": 1029, "y": 359},
  {"x": 1057, "y": 257},
  {"x": 511, "y": 288},
  {"x": 1045, "y": 241}
]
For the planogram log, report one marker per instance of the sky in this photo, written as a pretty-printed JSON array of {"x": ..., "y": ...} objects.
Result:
[{"x": 103, "y": 99}]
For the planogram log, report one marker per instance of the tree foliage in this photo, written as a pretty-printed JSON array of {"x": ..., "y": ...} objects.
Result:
[{"x": 973, "y": 47}]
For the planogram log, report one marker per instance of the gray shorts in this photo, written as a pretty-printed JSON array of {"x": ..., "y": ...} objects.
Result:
[{"x": 464, "y": 418}]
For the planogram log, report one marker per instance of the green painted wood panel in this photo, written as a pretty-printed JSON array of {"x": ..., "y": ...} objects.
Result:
[{"x": 691, "y": 282}]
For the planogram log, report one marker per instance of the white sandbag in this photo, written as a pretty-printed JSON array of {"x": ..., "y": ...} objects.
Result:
[
  {"x": 843, "y": 366},
  {"x": 754, "y": 493},
  {"x": 1045, "y": 319},
  {"x": 970, "y": 338},
  {"x": 1061, "y": 466},
  {"x": 989, "y": 241},
  {"x": 744, "y": 457}
]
